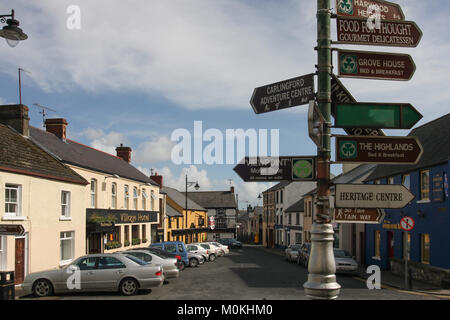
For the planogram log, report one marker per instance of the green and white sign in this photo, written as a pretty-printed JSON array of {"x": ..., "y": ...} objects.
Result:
[
  {"x": 345, "y": 6},
  {"x": 348, "y": 149},
  {"x": 349, "y": 64},
  {"x": 303, "y": 169}
]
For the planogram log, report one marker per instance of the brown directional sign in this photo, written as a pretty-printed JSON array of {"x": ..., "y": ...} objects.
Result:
[
  {"x": 254, "y": 169},
  {"x": 340, "y": 94},
  {"x": 358, "y": 215},
  {"x": 11, "y": 230},
  {"x": 364, "y": 9},
  {"x": 387, "y": 150},
  {"x": 284, "y": 94},
  {"x": 391, "y": 33},
  {"x": 375, "y": 65}
]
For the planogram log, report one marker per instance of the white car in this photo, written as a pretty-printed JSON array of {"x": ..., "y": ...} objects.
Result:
[
  {"x": 221, "y": 246},
  {"x": 213, "y": 251}
]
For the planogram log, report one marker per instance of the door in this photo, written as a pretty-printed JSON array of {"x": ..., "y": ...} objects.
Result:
[
  {"x": 390, "y": 247},
  {"x": 110, "y": 272},
  {"x": 95, "y": 243},
  {"x": 88, "y": 269},
  {"x": 20, "y": 261}
]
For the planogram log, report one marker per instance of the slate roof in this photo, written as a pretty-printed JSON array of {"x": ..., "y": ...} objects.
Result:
[
  {"x": 20, "y": 155},
  {"x": 279, "y": 186},
  {"x": 74, "y": 153},
  {"x": 214, "y": 199},
  {"x": 180, "y": 199},
  {"x": 172, "y": 212},
  {"x": 299, "y": 206},
  {"x": 435, "y": 139}
]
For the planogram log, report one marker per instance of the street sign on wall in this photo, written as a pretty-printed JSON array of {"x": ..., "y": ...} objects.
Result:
[
  {"x": 254, "y": 169},
  {"x": 358, "y": 215},
  {"x": 376, "y": 115},
  {"x": 375, "y": 65},
  {"x": 386, "y": 196},
  {"x": 11, "y": 230},
  {"x": 386, "y": 150},
  {"x": 362, "y": 8},
  {"x": 391, "y": 33},
  {"x": 284, "y": 94},
  {"x": 407, "y": 223}
]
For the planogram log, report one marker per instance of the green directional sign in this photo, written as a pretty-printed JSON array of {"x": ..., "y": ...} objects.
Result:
[{"x": 376, "y": 115}]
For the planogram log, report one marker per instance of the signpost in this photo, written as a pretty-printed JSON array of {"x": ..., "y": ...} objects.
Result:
[
  {"x": 376, "y": 115},
  {"x": 387, "y": 150},
  {"x": 358, "y": 8},
  {"x": 375, "y": 65},
  {"x": 251, "y": 169},
  {"x": 284, "y": 94},
  {"x": 358, "y": 215},
  {"x": 392, "y": 196},
  {"x": 391, "y": 33},
  {"x": 12, "y": 230}
]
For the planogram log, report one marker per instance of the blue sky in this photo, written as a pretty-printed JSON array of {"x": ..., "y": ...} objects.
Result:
[{"x": 137, "y": 70}]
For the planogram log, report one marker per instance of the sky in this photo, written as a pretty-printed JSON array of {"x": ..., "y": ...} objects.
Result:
[{"x": 136, "y": 71}]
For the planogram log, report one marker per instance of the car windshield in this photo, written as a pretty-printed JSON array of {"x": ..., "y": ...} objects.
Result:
[
  {"x": 341, "y": 254},
  {"x": 136, "y": 260},
  {"x": 206, "y": 246}
]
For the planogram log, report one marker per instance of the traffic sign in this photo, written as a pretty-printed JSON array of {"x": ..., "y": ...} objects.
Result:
[
  {"x": 285, "y": 94},
  {"x": 315, "y": 124},
  {"x": 254, "y": 169},
  {"x": 358, "y": 215},
  {"x": 340, "y": 94},
  {"x": 11, "y": 230},
  {"x": 358, "y": 8},
  {"x": 387, "y": 150},
  {"x": 407, "y": 223},
  {"x": 391, "y": 33},
  {"x": 390, "y": 196},
  {"x": 376, "y": 115},
  {"x": 375, "y": 65}
]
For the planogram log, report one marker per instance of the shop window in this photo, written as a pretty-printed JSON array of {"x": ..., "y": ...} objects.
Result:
[
  {"x": 377, "y": 242},
  {"x": 425, "y": 248},
  {"x": 390, "y": 180},
  {"x": 144, "y": 231},
  {"x": 126, "y": 232},
  {"x": 135, "y": 232},
  {"x": 425, "y": 185}
]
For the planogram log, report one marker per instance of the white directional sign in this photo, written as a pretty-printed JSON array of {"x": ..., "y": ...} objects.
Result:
[{"x": 372, "y": 196}]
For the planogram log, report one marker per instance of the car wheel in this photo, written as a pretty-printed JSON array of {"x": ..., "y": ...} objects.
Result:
[
  {"x": 212, "y": 257},
  {"x": 193, "y": 263},
  {"x": 42, "y": 288},
  {"x": 129, "y": 287},
  {"x": 181, "y": 266}
]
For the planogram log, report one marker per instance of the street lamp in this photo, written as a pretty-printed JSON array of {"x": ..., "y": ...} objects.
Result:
[
  {"x": 188, "y": 184},
  {"x": 11, "y": 32}
]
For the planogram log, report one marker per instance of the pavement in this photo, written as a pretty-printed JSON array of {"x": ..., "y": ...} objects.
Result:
[{"x": 388, "y": 279}]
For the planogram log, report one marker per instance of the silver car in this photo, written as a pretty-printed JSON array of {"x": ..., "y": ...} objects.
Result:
[
  {"x": 219, "y": 251},
  {"x": 291, "y": 252},
  {"x": 345, "y": 263},
  {"x": 212, "y": 251},
  {"x": 195, "y": 248},
  {"x": 96, "y": 273},
  {"x": 223, "y": 247},
  {"x": 195, "y": 259},
  {"x": 169, "y": 265}
]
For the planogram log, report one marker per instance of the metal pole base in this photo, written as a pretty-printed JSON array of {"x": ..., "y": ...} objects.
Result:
[{"x": 321, "y": 282}]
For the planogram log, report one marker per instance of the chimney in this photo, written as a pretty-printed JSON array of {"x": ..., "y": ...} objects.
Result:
[
  {"x": 124, "y": 153},
  {"x": 157, "y": 179},
  {"x": 232, "y": 189},
  {"x": 16, "y": 116},
  {"x": 57, "y": 127}
]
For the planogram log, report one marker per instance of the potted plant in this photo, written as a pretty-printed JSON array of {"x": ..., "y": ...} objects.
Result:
[
  {"x": 135, "y": 241},
  {"x": 126, "y": 243}
]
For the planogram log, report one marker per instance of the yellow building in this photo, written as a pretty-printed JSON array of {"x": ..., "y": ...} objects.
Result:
[
  {"x": 40, "y": 194},
  {"x": 184, "y": 225}
]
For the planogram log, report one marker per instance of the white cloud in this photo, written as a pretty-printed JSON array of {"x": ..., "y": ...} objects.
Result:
[
  {"x": 179, "y": 181},
  {"x": 158, "y": 149},
  {"x": 107, "y": 142}
]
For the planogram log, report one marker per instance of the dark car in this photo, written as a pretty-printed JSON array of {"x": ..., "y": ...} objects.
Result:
[
  {"x": 231, "y": 243},
  {"x": 303, "y": 254}
]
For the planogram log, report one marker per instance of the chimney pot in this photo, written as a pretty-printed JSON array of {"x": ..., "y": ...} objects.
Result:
[
  {"x": 124, "y": 153},
  {"x": 158, "y": 179},
  {"x": 57, "y": 127}
]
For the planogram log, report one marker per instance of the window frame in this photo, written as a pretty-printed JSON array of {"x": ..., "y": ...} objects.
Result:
[
  {"x": 135, "y": 198},
  {"x": 114, "y": 195},
  {"x": 126, "y": 199},
  {"x": 18, "y": 203},
  {"x": 65, "y": 207},
  {"x": 425, "y": 246},
  {"x": 72, "y": 246},
  {"x": 404, "y": 180},
  {"x": 144, "y": 199},
  {"x": 424, "y": 194}
]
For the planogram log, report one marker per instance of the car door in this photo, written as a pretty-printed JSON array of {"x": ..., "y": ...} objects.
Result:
[
  {"x": 88, "y": 270},
  {"x": 109, "y": 273}
]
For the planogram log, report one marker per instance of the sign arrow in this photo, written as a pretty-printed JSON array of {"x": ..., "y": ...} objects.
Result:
[
  {"x": 12, "y": 230},
  {"x": 358, "y": 215},
  {"x": 355, "y": 8}
]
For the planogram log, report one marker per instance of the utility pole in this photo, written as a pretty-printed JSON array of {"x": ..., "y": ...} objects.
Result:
[{"x": 321, "y": 282}]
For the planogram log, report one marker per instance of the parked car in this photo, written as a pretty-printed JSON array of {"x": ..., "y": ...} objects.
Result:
[
  {"x": 98, "y": 272},
  {"x": 169, "y": 265},
  {"x": 195, "y": 248},
  {"x": 195, "y": 259},
  {"x": 291, "y": 252},
  {"x": 303, "y": 254},
  {"x": 345, "y": 262},
  {"x": 231, "y": 243},
  {"x": 211, "y": 250},
  {"x": 219, "y": 251},
  {"x": 176, "y": 247},
  {"x": 223, "y": 247},
  {"x": 165, "y": 254}
]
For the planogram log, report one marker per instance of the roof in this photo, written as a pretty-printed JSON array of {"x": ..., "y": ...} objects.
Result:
[
  {"x": 172, "y": 212},
  {"x": 180, "y": 199},
  {"x": 435, "y": 139},
  {"x": 74, "y": 153},
  {"x": 279, "y": 186},
  {"x": 214, "y": 199},
  {"x": 20, "y": 155},
  {"x": 299, "y": 206},
  {"x": 356, "y": 175}
]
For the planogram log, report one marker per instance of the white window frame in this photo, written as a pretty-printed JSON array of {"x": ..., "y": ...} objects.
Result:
[
  {"x": 126, "y": 191},
  {"x": 144, "y": 199},
  {"x": 3, "y": 255},
  {"x": 152, "y": 200},
  {"x": 65, "y": 207},
  {"x": 93, "y": 193},
  {"x": 114, "y": 195},
  {"x": 72, "y": 238},
  {"x": 18, "y": 214},
  {"x": 135, "y": 198}
]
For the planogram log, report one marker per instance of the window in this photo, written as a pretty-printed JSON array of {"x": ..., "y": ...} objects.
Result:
[
  {"x": 171, "y": 248},
  {"x": 12, "y": 200},
  {"x": 144, "y": 232},
  {"x": 290, "y": 218},
  {"x": 425, "y": 248},
  {"x": 135, "y": 198},
  {"x": 281, "y": 196},
  {"x": 93, "y": 193},
  {"x": 390, "y": 180},
  {"x": 65, "y": 204},
  {"x": 110, "y": 263},
  {"x": 377, "y": 181},
  {"x": 144, "y": 199},
  {"x": 87, "y": 263},
  {"x": 297, "y": 218},
  {"x": 298, "y": 237},
  {"x": 406, "y": 181},
  {"x": 425, "y": 185},
  {"x": 135, "y": 232},
  {"x": 152, "y": 200},
  {"x": 114, "y": 196},
  {"x": 377, "y": 242},
  {"x": 67, "y": 246},
  {"x": 126, "y": 231},
  {"x": 126, "y": 197}
]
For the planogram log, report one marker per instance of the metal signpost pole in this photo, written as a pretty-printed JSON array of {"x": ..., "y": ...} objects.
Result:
[{"x": 321, "y": 282}]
